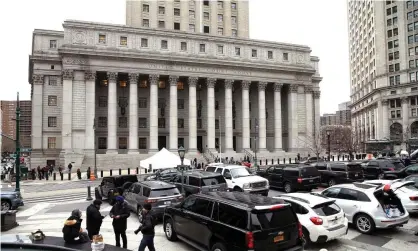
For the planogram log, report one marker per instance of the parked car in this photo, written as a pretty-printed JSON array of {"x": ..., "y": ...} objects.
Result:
[
  {"x": 200, "y": 181},
  {"x": 322, "y": 220},
  {"x": 339, "y": 172},
  {"x": 292, "y": 177},
  {"x": 310, "y": 160},
  {"x": 236, "y": 221},
  {"x": 240, "y": 179},
  {"x": 164, "y": 174},
  {"x": 113, "y": 186},
  {"x": 374, "y": 169},
  {"x": 369, "y": 206},
  {"x": 11, "y": 200},
  {"x": 408, "y": 194},
  {"x": 159, "y": 194},
  {"x": 401, "y": 173}
]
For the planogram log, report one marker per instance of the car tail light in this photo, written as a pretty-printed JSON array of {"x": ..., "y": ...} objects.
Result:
[
  {"x": 413, "y": 198},
  {"x": 316, "y": 220},
  {"x": 391, "y": 169},
  {"x": 299, "y": 180},
  {"x": 346, "y": 175},
  {"x": 276, "y": 207},
  {"x": 300, "y": 230},
  {"x": 150, "y": 201},
  {"x": 249, "y": 240}
]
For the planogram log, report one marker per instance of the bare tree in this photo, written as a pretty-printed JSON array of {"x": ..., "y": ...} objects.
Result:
[
  {"x": 342, "y": 139},
  {"x": 313, "y": 143}
]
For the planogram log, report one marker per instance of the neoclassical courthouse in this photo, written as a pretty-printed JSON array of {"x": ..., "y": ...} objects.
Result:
[{"x": 180, "y": 73}]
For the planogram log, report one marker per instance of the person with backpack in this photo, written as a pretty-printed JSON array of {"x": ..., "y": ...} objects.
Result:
[
  {"x": 146, "y": 227},
  {"x": 73, "y": 233}
]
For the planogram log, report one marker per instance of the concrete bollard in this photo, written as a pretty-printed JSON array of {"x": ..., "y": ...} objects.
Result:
[
  {"x": 62, "y": 176},
  {"x": 261, "y": 162},
  {"x": 46, "y": 175},
  {"x": 137, "y": 170},
  {"x": 101, "y": 173},
  {"x": 89, "y": 193},
  {"x": 284, "y": 160},
  {"x": 111, "y": 171},
  {"x": 290, "y": 160},
  {"x": 55, "y": 176},
  {"x": 120, "y": 171},
  {"x": 69, "y": 176},
  {"x": 129, "y": 170}
]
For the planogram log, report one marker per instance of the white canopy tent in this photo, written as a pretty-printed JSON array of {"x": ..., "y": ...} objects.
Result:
[{"x": 163, "y": 159}]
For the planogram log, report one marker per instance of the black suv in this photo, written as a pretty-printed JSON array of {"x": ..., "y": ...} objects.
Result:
[
  {"x": 339, "y": 172},
  {"x": 374, "y": 169},
  {"x": 292, "y": 177},
  {"x": 234, "y": 221},
  {"x": 113, "y": 186},
  {"x": 200, "y": 181},
  {"x": 401, "y": 173}
]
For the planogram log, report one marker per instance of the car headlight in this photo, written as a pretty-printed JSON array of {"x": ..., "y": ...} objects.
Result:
[
  {"x": 17, "y": 196},
  {"x": 267, "y": 183},
  {"x": 246, "y": 186}
]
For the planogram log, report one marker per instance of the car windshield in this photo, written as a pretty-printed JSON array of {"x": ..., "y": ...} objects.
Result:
[
  {"x": 169, "y": 191},
  {"x": 326, "y": 209},
  {"x": 239, "y": 172},
  {"x": 213, "y": 181}
]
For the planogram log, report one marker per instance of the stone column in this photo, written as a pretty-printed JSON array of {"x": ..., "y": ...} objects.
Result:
[
  {"x": 90, "y": 78},
  {"x": 405, "y": 118},
  {"x": 293, "y": 118},
  {"x": 133, "y": 113},
  {"x": 153, "y": 112},
  {"x": 278, "y": 117},
  {"x": 385, "y": 119},
  {"x": 112, "y": 113},
  {"x": 229, "y": 132},
  {"x": 67, "y": 110},
  {"x": 310, "y": 121},
  {"x": 211, "y": 113},
  {"x": 37, "y": 112},
  {"x": 192, "y": 115},
  {"x": 262, "y": 128},
  {"x": 245, "y": 114},
  {"x": 173, "y": 114},
  {"x": 317, "y": 118}
]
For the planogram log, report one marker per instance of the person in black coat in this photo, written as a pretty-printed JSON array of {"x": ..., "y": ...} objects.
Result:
[
  {"x": 120, "y": 213},
  {"x": 147, "y": 229},
  {"x": 73, "y": 233},
  {"x": 94, "y": 218}
]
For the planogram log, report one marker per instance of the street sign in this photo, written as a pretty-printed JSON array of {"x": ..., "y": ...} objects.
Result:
[{"x": 26, "y": 150}]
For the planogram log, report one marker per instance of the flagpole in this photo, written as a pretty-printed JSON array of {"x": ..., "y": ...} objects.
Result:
[{"x": 220, "y": 138}]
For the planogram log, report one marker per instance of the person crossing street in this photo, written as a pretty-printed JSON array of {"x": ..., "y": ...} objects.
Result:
[
  {"x": 120, "y": 213},
  {"x": 147, "y": 229}
]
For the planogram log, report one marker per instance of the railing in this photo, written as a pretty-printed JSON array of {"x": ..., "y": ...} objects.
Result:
[{"x": 247, "y": 153}]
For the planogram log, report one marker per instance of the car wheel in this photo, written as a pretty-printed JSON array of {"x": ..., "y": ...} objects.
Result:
[
  {"x": 364, "y": 224},
  {"x": 97, "y": 194},
  {"x": 170, "y": 233},
  {"x": 5, "y": 205},
  {"x": 287, "y": 187},
  {"x": 218, "y": 247},
  {"x": 331, "y": 182},
  {"x": 237, "y": 189},
  {"x": 306, "y": 237}
]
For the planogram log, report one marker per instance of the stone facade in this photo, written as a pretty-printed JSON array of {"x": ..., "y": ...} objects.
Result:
[{"x": 210, "y": 94}]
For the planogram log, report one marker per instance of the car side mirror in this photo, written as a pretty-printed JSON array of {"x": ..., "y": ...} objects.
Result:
[{"x": 228, "y": 176}]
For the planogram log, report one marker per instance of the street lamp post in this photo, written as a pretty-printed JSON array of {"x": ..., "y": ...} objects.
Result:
[
  {"x": 95, "y": 149},
  {"x": 329, "y": 144},
  {"x": 181, "y": 152},
  {"x": 255, "y": 152}
]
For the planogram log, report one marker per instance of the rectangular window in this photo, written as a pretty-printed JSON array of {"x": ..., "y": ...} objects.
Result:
[
  {"x": 416, "y": 26},
  {"x": 415, "y": 13},
  {"x": 220, "y": 18},
  {"x": 410, "y": 27},
  {"x": 192, "y": 28},
  {"x": 161, "y": 103},
  {"x": 123, "y": 143},
  {"x": 102, "y": 101},
  {"x": 408, "y": 4},
  {"x": 397, "y": 67},
  {"x": 206, "y": 15},
  {"x": 142, "y": 103},
  {"x": 142, "y": 123},
  {"x": 389, "y": 22},
  {"x": 180, "y": 104},
  {"x": 410, "y": 39},
  {"x": 102, "y": 39},
  {"x": 414, "y": 112},
  {"x": 144, "y": 42},
  {"x": 176, "y": 12},
  {"x": 216, "y": 124},
  {"x": 220, "y": 49},
  {"x": 52, "y": 142},
  {"x": 52, "y": 121},
  {"x": 396, "y": 54},
  {"x": 183, "y": 46},
  {"x": 161, "y": 24},
  {"x": 123, "y": 41},
  {"x": 394, "y": 9},
  {"x": 161, "y": 84},
  {"x": 254, "y": 53},
  {"x": 392, "y": 114},
  {"x": 199, "y": 123},
  {"x": 411, "y": 52},
  {"x": 102, "y": 143},
  {"x": 180, "y": 123},
  {"x": 234, "y": 33},
  {"x": 395, "y": 43},
  {"x": 52, "y": 100},
  {"x": 123, "y": 122},
  {"x": 389, "y": 11},
  {"x": 237, "y": 51},
  {"x": 145, "y": 8},
  {"x": 145, "y": 23},
  {"x": 398, "y": 113},
  {"x": 392, "y": 80},
  {"x": 416, "y": 38},
  {"x": 220, "y": 4},
  {"x": 192, "y": 14},
  {"x": 53, "y": 44},
  {"x": 52, "y": 81},
  {"x": 202, "y": 48},
  {"x": 397, "y": 79},
  {"x": 411, "y": 63},
  {"x": 220, "y": 31},
  {"x": 391, "y": 56},
  {"x": 164, "y": 44},
  {"x": 412, "y": 77},
  {"x": 390, "y": 33},
  {"x": 180, "y": 85},
  {"x": 395, "y": 32},
  {"x": 161, "y": 10},
  {"x": 234, "y": 20},
  {"x": 233, "y": 6},
  {"x": 285, "y": 56},
  {"x": 103, "y": 122},
  {"x": 206, "y": 29},
  {"x": 390, "y": 45},
  {"x": 142, "y": 143},
  {"x": 161, "y": 122},
  {"x": 270, "y": 54},
  {"x": 177, "y": 26}
]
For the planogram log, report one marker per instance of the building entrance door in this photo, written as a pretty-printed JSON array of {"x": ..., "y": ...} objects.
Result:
[
  {"x": 200, "y": 143},
  {"x": 50, "y": 162},
  {"x": 162, "y": 142}
]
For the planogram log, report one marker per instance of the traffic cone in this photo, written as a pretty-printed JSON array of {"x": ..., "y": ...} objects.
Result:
[{"x": 92, "y": 177}]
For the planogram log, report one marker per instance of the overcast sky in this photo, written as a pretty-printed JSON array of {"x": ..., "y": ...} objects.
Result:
[{"x": 320, "y": 24}]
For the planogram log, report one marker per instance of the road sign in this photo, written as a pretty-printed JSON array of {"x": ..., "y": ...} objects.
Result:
[{"x": 26, "y": 150}]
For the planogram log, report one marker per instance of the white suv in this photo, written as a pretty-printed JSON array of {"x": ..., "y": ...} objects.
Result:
[
  {"x": 322, "y": 220},
  {"x": 239, "y": 179}
]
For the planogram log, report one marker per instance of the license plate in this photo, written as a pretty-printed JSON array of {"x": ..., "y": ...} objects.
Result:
[
  {"x": 167, "y": 202},
  {"x": 116, "y": 194},
  {"x": 278, "y": 238},
  {"x": 356, "y": 174},
  {"x": 311, "y": 181},
  {"x": 214, "y": 189}
]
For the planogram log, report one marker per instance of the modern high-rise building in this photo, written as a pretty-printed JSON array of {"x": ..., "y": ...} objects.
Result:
[
  {"x": 383, "y": 41},
  {"x": 225, "y": 18},
  {"x": 341, "y": 117}
]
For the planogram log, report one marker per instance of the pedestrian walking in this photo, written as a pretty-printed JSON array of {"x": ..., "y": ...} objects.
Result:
[
  {"x": 120, "y": 213},
  {"x": 73, "y": 233},
  {"x": 147, "y": 229},
  {"x": 94, "y": 218},
  {"x": 88, "y": 172},
  {"x": 69, "y": 167}
]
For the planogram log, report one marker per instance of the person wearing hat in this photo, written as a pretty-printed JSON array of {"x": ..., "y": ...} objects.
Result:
[
  {"x": 120, "y": 213},
  {"x": 94, "y": 218},
  {"x": 147, "y": 229},
  {"x": 73, "y": 233}
]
